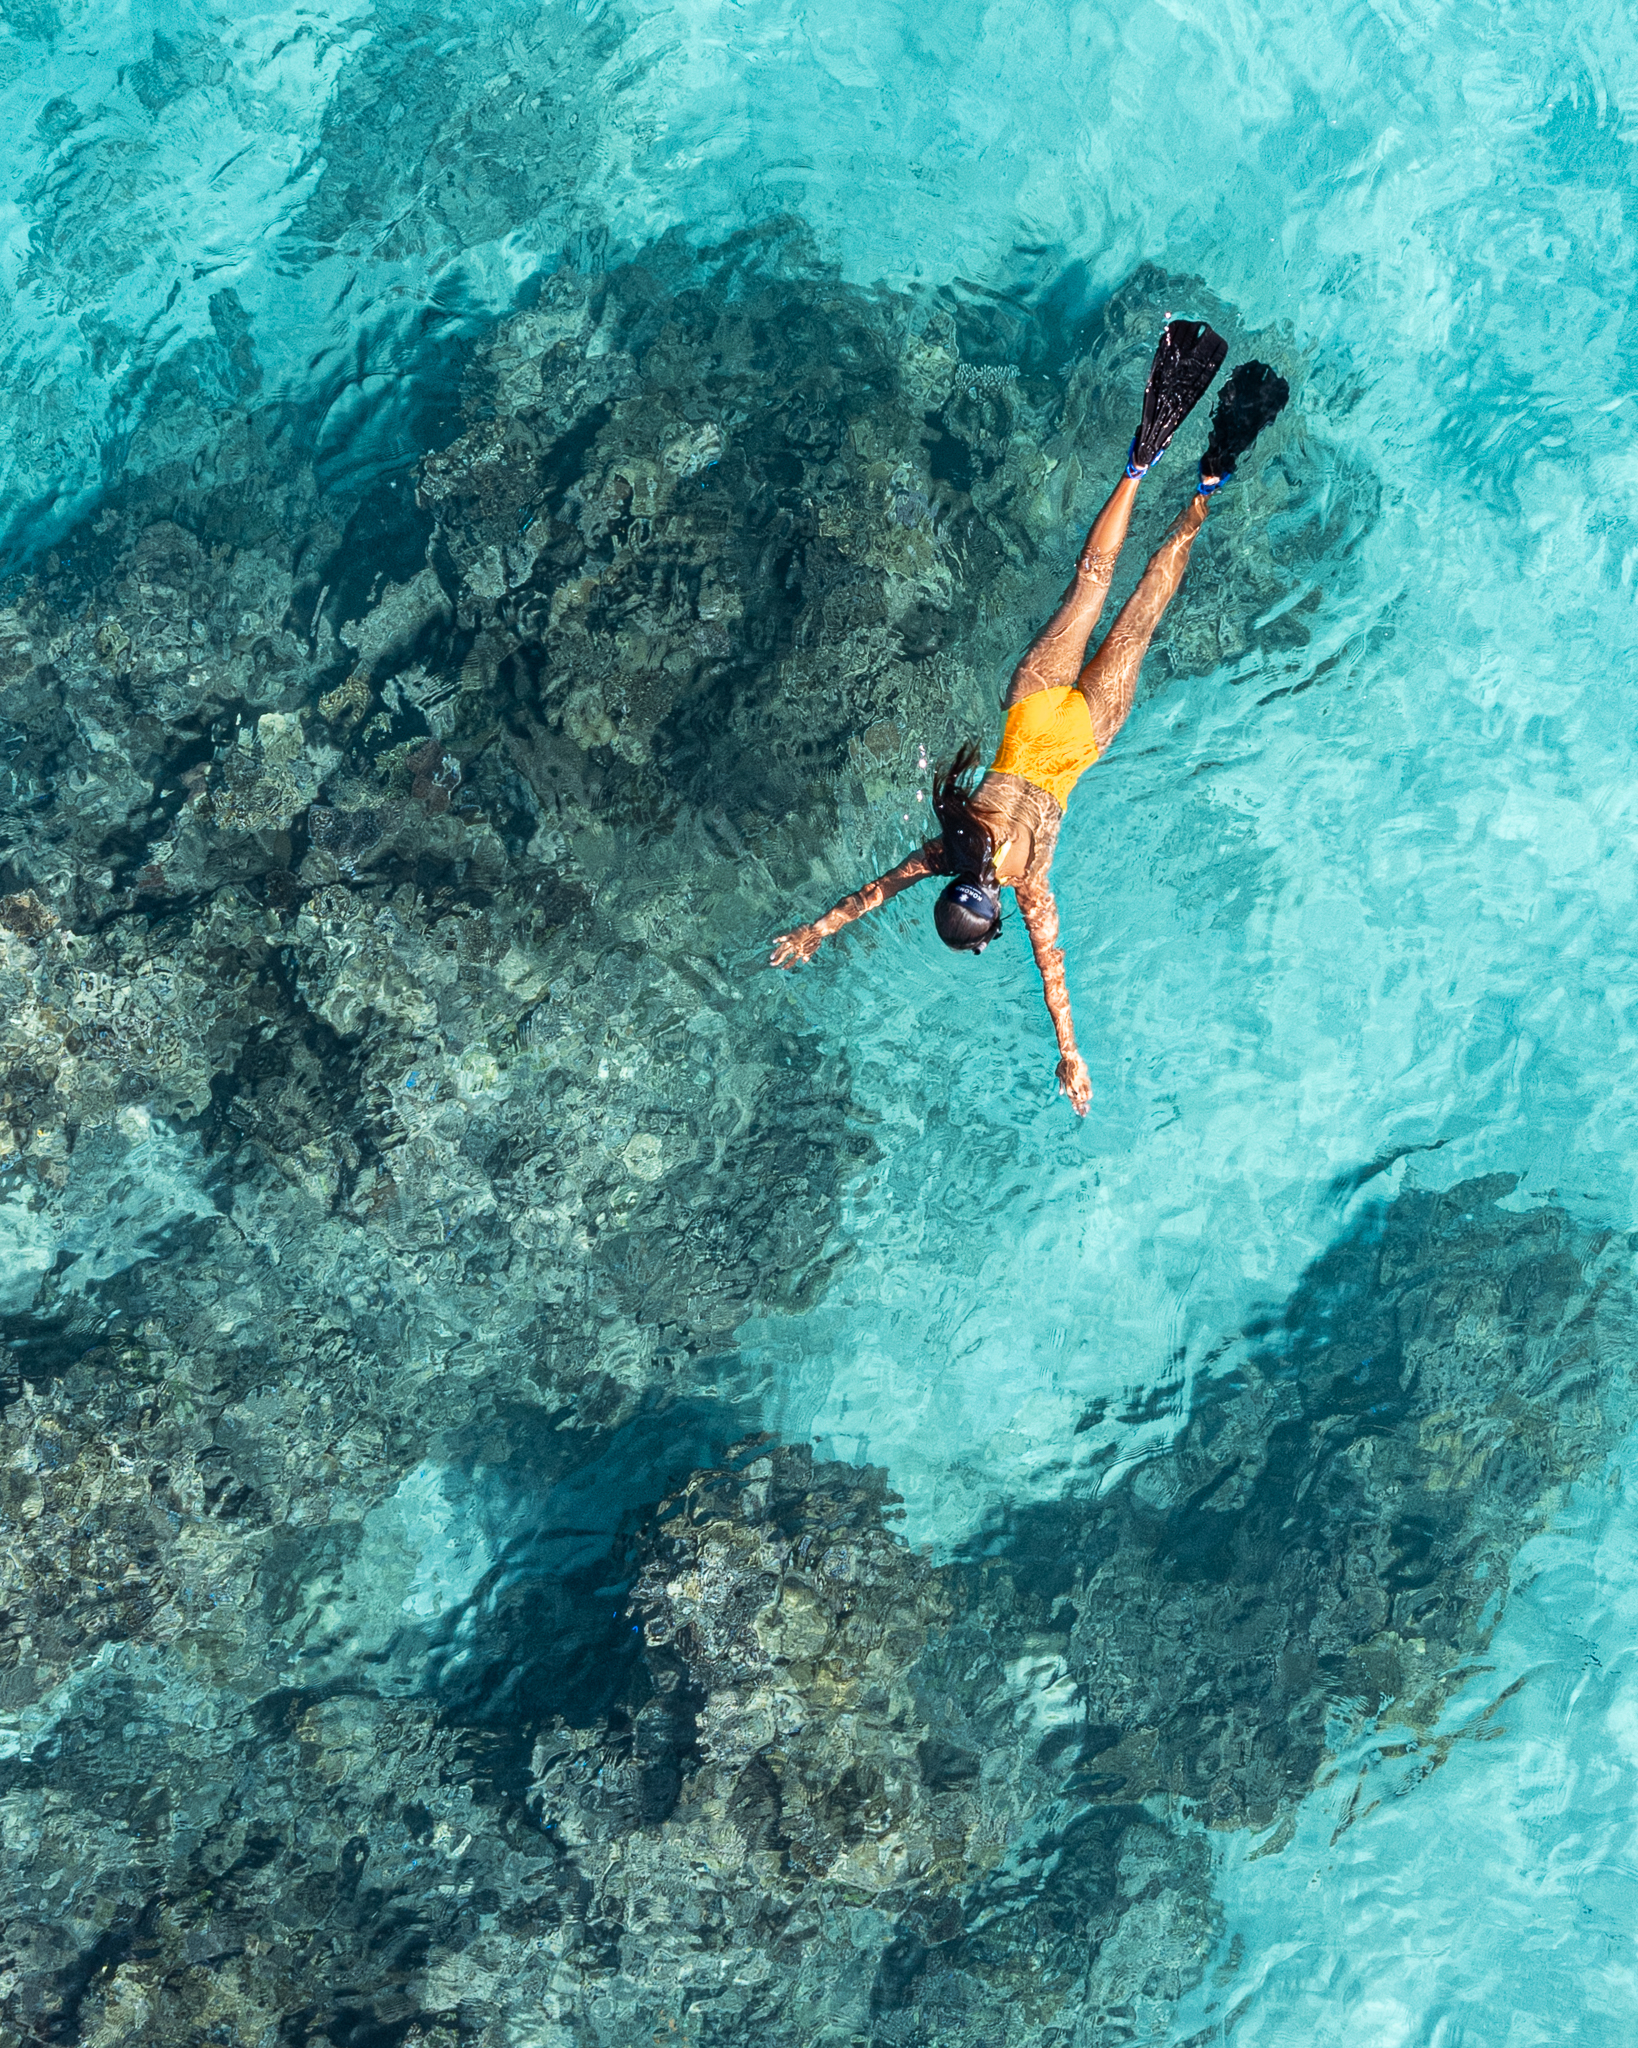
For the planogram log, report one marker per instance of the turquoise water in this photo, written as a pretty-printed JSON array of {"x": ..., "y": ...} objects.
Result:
[{"x": 1349, "y": 910}]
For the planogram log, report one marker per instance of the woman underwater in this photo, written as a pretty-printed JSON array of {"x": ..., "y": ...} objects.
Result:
[{"x": 1062, "y": 710}]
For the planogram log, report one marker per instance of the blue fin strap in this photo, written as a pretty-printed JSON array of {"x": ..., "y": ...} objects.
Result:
[
  {"x": 1216, "y": 483},
  {"x": 1140, "y": 468}
]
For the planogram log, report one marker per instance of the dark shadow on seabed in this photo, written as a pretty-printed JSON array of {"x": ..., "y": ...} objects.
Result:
[
  {"x": 974, "y": 1803},
  {"x": 845, "y": 1794},
  {"x": 396, "y": 1145}
]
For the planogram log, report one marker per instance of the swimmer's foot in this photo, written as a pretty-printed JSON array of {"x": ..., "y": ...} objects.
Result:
[
  {"x": 1188, "y": 358},
  {"x": 1252, "y": 397}
]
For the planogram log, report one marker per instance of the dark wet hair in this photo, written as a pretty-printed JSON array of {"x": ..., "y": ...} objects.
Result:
[
  {"x": 967, "y": 914},
  {"x": 967, "y": 839}
]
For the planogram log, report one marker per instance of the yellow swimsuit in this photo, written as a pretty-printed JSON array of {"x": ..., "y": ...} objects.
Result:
[{"x": 1048, "y": 740}]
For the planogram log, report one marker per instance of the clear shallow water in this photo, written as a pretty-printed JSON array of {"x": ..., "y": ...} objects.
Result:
[{"x": 1356, "y": 882}]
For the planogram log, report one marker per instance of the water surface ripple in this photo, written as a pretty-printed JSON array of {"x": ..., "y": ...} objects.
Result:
[{"x": 613, "y": 1495}]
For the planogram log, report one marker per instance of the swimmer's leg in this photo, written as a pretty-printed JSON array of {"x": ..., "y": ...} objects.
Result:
[
  {"x": 1110, "y": 677},
  {"x": 1055, "y": 656}
]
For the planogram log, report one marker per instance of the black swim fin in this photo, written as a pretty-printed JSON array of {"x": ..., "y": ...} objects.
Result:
[
  {"x": 1188, "y": 358},
  {"x": 1251, "y": 398}
]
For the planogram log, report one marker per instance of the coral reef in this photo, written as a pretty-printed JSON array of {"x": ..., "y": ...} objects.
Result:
[
  {"x": 396, "y": 1135},
  {"x": 263, "y": 1777}
]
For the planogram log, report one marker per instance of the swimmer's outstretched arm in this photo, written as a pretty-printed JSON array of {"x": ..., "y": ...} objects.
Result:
[
  {"x": 792, "y": 948},
  {"x": 1036, "y": 901}
]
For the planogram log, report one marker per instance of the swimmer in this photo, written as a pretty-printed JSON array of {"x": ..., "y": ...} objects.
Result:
[{"x": 1063, "y": 710}]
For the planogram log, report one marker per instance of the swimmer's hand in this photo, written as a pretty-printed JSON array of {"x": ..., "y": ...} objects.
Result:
[
  {"x": 1075, "y": 1081},
  {"x": 792, "y": 948}
]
